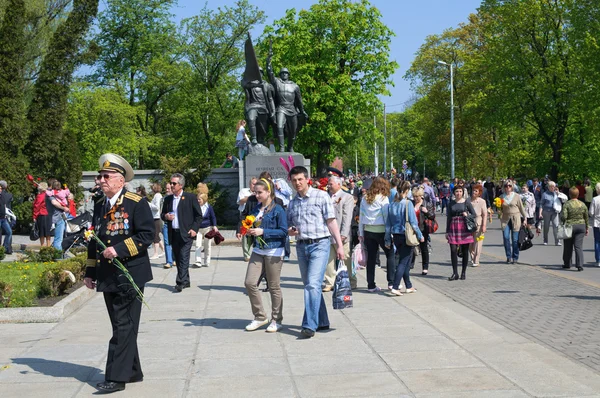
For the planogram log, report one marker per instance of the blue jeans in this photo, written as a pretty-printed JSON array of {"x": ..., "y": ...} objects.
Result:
[
  {"x": 597, "y": 243},
  {"x": 7, "y": 232},
  {"x": 312, "y": 261},
  {"x": 507, "y": 234},
  {"x": 168, "y": 248},
  {"x": 59, "y": 232},
  {"x": 405, "y": 254}
]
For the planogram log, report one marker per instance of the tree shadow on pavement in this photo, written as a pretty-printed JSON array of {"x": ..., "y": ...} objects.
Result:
[
  {"x": 217, "y": 323},
  {"x": 59, "y": 369}
]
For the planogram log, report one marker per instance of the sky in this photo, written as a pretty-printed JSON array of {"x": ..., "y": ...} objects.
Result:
[{"x": 412, "y": 21}]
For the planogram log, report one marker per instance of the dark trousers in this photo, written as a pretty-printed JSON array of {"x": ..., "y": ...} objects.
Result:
[
  {"x": 424, "y": 252},
  {"x": 464, "y": 249},
  {"x": 181, "y": 251},
  {"x": 373, "y": 241},
  {"x": 576, "y": 242},
  {"x": 123, "y": 361},
  {"x": 405, "y": 255}
]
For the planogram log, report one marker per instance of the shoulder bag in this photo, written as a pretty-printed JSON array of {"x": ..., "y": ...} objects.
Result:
[
  {"x": 470, "y": 219},
  {"x": 409, "y": 232}
]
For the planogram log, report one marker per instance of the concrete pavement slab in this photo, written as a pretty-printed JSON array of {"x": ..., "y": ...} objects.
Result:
[
  {"x": 351, "y": 384},
  {"x": 318, "y": 365},
  {"x": 41, "y": 390},
  {"x": 251, "y": 386},
  {"x": 423, "y": 360},
  {"x": 457, "y": 379}
]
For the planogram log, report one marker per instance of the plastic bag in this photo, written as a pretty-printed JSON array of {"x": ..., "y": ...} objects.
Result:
[
  {"x": 358, "y": 258},
  {"x": 342, "y": 292}
]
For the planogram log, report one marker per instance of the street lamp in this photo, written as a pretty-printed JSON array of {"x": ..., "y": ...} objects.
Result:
[{"x": 451, "y": 117}]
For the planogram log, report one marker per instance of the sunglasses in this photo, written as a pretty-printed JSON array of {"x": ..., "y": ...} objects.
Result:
[
  {"x": 173, "y": 183},
  {"x": 105, "y": 176}
]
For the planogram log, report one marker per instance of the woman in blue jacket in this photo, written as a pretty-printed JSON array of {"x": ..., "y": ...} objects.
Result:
[
  {"x": 395, "y": 227},
  {"x": 271, "y": 227}
]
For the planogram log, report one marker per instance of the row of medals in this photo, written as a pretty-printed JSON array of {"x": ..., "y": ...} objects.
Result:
[{"x": 118, "y": 227}]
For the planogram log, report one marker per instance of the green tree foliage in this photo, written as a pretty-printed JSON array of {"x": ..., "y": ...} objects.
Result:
[
  {"x": 13, "y": 131},
  {"x": 102, "y": 121},
  {"x": 526, "y": 90},
  {"x": 338, "y": 53},
  {"x": 51, "y": 151}
]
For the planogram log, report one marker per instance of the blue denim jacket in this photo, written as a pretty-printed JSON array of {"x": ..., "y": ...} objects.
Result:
[
  {"x": 274, "y": 225},
  {"x": 397, "y": 218}
]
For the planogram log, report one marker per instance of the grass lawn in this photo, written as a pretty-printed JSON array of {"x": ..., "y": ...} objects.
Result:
[{"x": 24, "y": 278}]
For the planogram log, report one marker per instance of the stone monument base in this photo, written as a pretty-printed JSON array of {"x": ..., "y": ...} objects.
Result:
[{"x": 254, "y": 164}]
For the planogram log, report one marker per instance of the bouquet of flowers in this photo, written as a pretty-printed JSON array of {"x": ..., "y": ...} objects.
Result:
[
  {"x": 89, "y": 235},
  {"x": 251, "y": 222},
  {"x": 498, "y": 202},
  {"x": 480, "y": 238}
]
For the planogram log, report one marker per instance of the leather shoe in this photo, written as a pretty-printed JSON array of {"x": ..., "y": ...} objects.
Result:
[
  {"x": 179, "y": 288},
  {"x": 322, "y": 328},
  {"x": 107, "y": 387},
  {"x": 307, "y": 333},
  {"x": 136, "y": 379}
]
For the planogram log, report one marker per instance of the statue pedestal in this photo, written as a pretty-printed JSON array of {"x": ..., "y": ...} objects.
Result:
[{"x": 254, "y": 164}]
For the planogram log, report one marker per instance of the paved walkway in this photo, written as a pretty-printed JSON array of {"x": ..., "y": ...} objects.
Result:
[{"x": 450, "y": 339}]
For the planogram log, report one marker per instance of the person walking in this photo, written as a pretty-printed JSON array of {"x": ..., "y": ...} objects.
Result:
[
  {"x": 183, "y": 216},
  {"x": 510, "y": 222},
  {"x": 343, "y": 203},
  {"x": 311, "y": 217},
  {"x": 242, "y": 142},
  {"x": 41, "y": 218},
  {"x": 574, "y": 214},
  {"x": 209, "y": 223},
  {"x": 395, "y": 229},
  {"x": 457, "y": 235},
  {"x": 124, "y": 223},
  {"x": 156, "y": 207},
  {"x": 480, "y": 207},
  {"x": 424, "y": 210},
  {"x": 594, "y": 213},
  {"x": 267, "y": 255},
  {"x": 371, "y": 230},
  {"x": 165, "y": 233},
  {"x": 550, "y": 208}
]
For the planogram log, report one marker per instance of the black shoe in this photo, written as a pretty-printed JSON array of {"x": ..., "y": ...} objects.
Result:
[
  {"x": 180, "y": 287},
  {"x": 579, "y": 269},
  {"x": 508, "y": 261},
  {"x": 463, "y": 276},
  {"x": 136, "y": 379},
  {"x": 107, "y": 387},
  {"x": 453, "y": 277},
  {"x": 513, "y": 261},
  {"x": 307, "y": 333},
  {"x": 566, "y": 267},
  {"x": 322, "y": 328}
]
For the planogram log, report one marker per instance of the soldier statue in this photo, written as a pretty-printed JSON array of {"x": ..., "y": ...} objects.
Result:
[
  {"x": 289, "y": 106},
  {"x": 259, "y": 108}
]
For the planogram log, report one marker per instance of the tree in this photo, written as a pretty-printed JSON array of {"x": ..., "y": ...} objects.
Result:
[
  {"x": 338, "y": 53},
  {"x": 13, "y": 131},
  {"x": 50, "y": 151}
]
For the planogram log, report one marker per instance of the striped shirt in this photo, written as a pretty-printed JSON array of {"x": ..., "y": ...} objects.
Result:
[{"x": 309, "y": 214}]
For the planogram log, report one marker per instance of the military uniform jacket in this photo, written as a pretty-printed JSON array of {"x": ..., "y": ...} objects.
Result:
[{"x": 129, "y": 228}]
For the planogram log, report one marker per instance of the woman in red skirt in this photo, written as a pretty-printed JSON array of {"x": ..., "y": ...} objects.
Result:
[{"x": 456, "y": 231}]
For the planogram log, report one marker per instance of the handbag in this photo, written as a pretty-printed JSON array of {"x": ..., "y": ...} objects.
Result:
[
  {"x": 35, "y": 232},
  {"x": 565, "y": 231},
  {"x": 409, "y": 232},
  {"x": 431, "y": 225},
  {"x": 470, "y": 221}
]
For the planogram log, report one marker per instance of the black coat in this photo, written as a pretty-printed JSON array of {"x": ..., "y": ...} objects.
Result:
[
  {"x": 189, "y": 215},
  {"x": 129, "y": 228}
]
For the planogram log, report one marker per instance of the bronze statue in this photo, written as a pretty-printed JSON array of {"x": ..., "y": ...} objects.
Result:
[
  {"x": 289, "y": 107},
  {"x": 259, "y": 108}
]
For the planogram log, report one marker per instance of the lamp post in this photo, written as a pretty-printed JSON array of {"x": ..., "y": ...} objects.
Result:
[{"x": 451, "y": 117}]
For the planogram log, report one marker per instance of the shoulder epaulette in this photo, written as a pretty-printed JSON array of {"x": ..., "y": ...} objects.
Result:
[{"x": 133, "y": 196}]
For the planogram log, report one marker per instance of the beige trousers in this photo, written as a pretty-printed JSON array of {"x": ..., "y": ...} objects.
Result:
[
  {"x": 330, "y": 271},
  {"x": 206, "y": 244},
  {"x": 272, "y": 267}
]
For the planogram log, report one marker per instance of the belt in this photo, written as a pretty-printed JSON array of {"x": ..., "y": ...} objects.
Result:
[{"x": 311, "y": 241}]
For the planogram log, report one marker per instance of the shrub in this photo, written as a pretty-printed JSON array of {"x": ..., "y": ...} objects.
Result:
[
  {"x": 2, "y": 253},
  {"x": 60, "y": 276},
  {"x": 5, "y": 294},
  {"x": 46, "y": 254}
]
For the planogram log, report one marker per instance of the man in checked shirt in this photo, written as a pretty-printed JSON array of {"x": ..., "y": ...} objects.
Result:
[{"x": 311, "y": 218}]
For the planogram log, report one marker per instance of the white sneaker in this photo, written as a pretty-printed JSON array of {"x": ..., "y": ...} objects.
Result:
[
  {"x": 161, "y": 254},
  {"x": 273, "y": 327},
  {"x": 206, "y": 265},
  {"x": 197, "y": 265},
  {"x": 154, "y": 257},
  {"x": 598, "y": 264},
  {"x": 470, "y": 264},
  {"x": 256, "y": 324}
]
